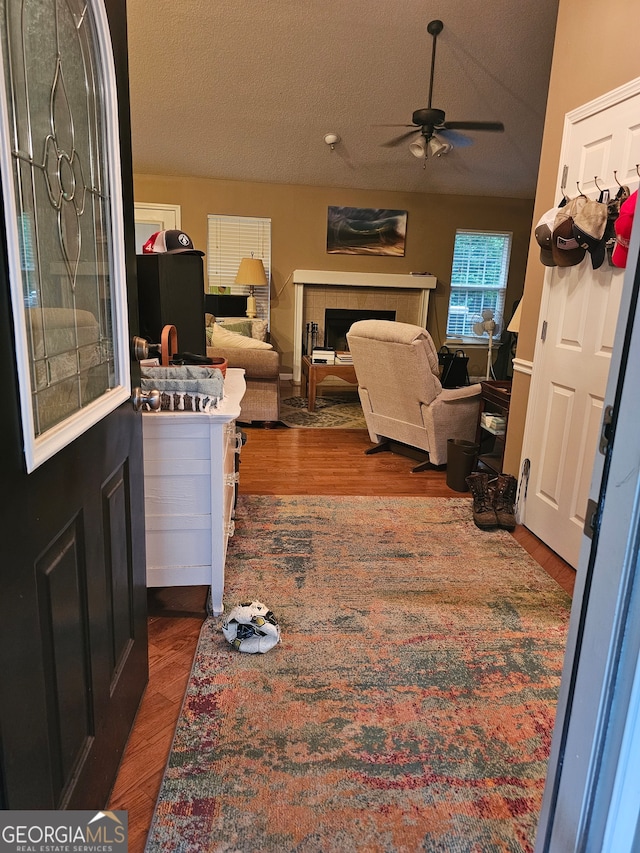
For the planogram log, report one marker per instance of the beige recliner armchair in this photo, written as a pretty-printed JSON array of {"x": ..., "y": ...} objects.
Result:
[{"x": 403, "y": 401}]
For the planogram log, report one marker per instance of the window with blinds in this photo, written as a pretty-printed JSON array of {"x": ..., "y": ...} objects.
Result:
[
  {"x": 478, "y": 280},
  {"x": 229, "y": 240}
]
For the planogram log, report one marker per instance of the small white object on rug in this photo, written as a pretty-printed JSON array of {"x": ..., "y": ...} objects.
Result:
[{"x": 251, "y": 628}]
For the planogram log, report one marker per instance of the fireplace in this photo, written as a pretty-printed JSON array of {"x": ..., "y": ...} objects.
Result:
[
  {"x": 316, "y": 290},
  {"x": 338, "y": 321}
]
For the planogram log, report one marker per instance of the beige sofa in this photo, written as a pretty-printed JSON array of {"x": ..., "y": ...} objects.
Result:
[
  {"x": 396, "y": 366},
  {"x": 261, "y": 365}
]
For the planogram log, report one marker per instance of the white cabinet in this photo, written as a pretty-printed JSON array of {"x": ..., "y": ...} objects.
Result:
[{"x": 190, "y": 477}]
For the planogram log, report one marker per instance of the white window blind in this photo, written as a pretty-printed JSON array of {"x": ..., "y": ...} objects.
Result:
[
  {"x": 478, "y": 279},
  {"x": 229, "y": 239}
]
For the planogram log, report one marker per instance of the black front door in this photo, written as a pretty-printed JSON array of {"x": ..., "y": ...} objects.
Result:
[{"x": 73, "y": 644}]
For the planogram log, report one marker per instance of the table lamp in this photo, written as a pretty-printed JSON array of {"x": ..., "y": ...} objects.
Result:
[{"x": 251, "y": 273}]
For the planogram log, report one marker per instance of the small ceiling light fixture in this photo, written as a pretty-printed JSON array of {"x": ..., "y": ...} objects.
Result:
[
  {"x": 437, "y": 147},
  {"x": 332, "y": 140},
  {"x": 418, "y": 148},
  {"x": 434, "y": 147}
]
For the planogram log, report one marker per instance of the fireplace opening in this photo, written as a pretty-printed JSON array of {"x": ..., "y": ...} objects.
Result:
[{"x": 338, "y": 321}]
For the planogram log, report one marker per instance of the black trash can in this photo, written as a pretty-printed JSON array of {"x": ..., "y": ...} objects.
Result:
[{"x": 461, "y": 460}]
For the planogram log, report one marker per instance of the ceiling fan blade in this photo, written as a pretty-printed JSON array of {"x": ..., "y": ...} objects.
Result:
[
  {"x": 455, "y": 138},
  {"x": 474, "y": 125},
  {"x": 398, "y": 139}
]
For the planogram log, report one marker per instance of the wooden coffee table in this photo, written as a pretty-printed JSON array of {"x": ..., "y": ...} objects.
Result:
[{"x": 313, "y": 374}]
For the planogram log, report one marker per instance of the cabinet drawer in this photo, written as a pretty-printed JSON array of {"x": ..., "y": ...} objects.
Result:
[
  {"x": 178, "y": 542},
  {"x": 173, "y": 438},
  {"x": 180, "y": 494}
]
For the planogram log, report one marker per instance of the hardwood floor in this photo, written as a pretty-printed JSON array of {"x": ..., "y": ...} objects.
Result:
[{"x": 273, "y": 461}]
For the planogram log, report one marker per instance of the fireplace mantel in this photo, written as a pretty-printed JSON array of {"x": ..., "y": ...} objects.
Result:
[
  {"x": 308, "y": 278},
  {"x": 364, "y": 279}
]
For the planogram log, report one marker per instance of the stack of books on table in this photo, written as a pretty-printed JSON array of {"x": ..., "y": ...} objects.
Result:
[
  {"x": 323, "y": 355},
  {"x": 497, "y": 424},
  {"x": 344, "y": 358}
]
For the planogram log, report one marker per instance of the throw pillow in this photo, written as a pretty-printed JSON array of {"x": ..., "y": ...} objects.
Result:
[
  {"x": 240, "y": 328},
  {"x": 209, "y": 320},
  {"x": 222, "y": 337},
  {"x": 259, "y": 329}
]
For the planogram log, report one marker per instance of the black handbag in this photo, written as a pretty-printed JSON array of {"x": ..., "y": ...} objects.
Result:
[{"x": 454, "y": 367}]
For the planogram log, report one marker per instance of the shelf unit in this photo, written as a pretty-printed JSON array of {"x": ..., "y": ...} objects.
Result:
[{"x": 495, "y": 398}]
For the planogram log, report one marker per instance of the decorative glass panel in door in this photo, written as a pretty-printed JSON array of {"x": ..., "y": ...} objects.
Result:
[{"x": 62, "y": 196}]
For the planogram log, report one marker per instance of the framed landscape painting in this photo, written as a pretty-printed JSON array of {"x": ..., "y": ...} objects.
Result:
[{"x": 366, "y": 231}]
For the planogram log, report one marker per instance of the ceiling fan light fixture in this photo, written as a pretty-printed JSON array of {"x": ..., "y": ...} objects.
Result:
[
  {"x": 437, "y": 147},
  {"x": 429, "y": 119},
  {"x": 418, "y": 148}
]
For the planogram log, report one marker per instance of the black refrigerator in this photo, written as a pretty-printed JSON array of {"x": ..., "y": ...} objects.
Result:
[{"x": 171, "y": 292}]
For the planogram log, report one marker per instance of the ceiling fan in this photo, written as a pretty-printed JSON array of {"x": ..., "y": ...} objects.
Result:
[{"x": 438, "y": 135}]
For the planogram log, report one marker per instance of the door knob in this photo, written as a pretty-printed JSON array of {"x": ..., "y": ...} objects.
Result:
[
  {"x": 139, "y": 348},
  {"x": 142, "y": 349},
  {"x": 151, "y": 398}
]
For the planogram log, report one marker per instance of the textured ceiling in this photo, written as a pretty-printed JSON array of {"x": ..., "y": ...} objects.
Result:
[{"x": 246, "y": 90}]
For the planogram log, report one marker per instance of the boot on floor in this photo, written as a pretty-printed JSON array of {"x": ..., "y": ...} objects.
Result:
[
  {"x": 504, "y": 498},
  {"x": 484, "y": 515}
]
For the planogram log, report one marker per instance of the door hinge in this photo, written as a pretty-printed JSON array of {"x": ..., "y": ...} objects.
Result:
[
  {"x": 605, "y": 432},
  {"x": 543, "y": 333},
  {"x": 592, "y": 518}
]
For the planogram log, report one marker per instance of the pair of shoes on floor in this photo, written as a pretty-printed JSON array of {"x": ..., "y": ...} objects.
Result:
[{"x": 493, "y": 501}]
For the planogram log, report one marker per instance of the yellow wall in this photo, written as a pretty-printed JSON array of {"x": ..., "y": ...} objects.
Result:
[
  {"x": 299, "y": 231},
  {"x": 588, "y": 62}
]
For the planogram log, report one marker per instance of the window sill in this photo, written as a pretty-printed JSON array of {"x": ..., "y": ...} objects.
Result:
[{"x": 470, "y": 343}]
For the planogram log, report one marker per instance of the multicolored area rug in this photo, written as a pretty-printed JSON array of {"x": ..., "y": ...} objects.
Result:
[
  {"x": 408, "y": 707},
  {"x": 335, "y": 412}
]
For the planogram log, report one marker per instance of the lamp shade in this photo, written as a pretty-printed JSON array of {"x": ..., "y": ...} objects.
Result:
[
  {"x": 437, "y": 147},
  {"x": 514, "y": 324},
  {"x": 251, "y": 272},
  {"x": 418, "y": 148}
]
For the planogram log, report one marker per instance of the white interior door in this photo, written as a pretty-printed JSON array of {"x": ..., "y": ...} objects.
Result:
[
  {"x": 591, "y": 799},
  {"x": 150, "y": 218},
  {"x": 576, "y": 331}
]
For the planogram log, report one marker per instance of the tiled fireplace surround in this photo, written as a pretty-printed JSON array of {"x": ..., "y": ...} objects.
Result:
[{"x": 315, "y": 290}]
